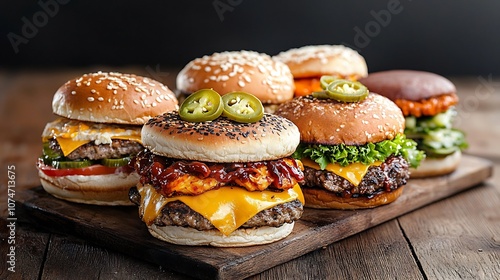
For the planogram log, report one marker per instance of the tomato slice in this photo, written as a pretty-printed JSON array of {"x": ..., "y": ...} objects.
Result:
[{"x": 96, "y": 169}]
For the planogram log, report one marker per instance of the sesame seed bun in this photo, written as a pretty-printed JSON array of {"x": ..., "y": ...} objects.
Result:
[
  {"x": 221, "y": 140},
  {"x": 113, "y": 98},
  {"x": 238, "y": 238},
  {"x": 329, "y": 122},
  {"x": 323, "y": 199},
  {"x": 110, "y": 189},
  {"x": 256, "y": 73},
  {"x": 315, "y": 61},
  {"x": 408, "y": 84}
]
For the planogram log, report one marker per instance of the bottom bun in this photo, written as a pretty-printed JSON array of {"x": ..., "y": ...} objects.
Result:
[
  {"x": 323, "y": 199},
  {"x": 437, "y": 166},
  {"x": 110, "y": 189},
  {"x": 239, "y": 238}
]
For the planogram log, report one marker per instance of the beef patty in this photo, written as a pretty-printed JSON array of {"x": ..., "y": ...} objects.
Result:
[
  {"x": 117, "y": 149},
  {"x": 388, "y": 176},
  {"x": 176, "y": 213}
]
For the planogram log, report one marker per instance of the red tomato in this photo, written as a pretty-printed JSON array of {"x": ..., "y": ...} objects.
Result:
[{"x": 96, "y": 169}]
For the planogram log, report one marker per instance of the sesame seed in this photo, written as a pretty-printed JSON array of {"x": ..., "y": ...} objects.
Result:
[
  {"x": 241, "y": 83},
  {"x": 73, "y": 92},
  {"x": 90, "y": 99}
]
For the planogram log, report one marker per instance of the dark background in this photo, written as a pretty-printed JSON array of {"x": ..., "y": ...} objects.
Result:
[{"x": 447, "y": 37}]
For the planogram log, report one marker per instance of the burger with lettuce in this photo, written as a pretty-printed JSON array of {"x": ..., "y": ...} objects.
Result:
[{"x": 353, "y": 147}]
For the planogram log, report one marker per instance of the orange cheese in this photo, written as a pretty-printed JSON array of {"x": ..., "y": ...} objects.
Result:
[
  {"x": 227, "y": 208},
  {"x": 71, "y": 134},
  {"x": 69, "y": 145},
  {"x": 353, "y": 172}
]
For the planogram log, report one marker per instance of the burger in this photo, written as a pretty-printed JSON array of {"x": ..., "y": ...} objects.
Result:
[
  {"x": 354, "y": 152},
  {"x": 220, "y": 183},
  {"x": 256, "y": 73},
  {"x": 428, "y": 103},
  {"x": 87, "y": 149},
  {"x": 309, "y": 63}
]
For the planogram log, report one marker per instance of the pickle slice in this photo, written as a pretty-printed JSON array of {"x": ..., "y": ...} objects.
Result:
[
  {"x": 71, "y": 164},
  {"x": 48, "y": 153},
  {"x": 116, "y": 162}
]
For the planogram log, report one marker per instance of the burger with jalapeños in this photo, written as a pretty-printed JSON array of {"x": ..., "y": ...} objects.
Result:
[
  {"x": 353, "y": 149},
  {"x": 218, "y": 172},
  {"x": 86, "y": 150}
]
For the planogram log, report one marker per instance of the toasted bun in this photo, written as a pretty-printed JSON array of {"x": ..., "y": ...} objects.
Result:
[
  {"x": 221, "y": 140},
  {"x": 408, "y": 84},
  {"x": 329, "y": 122},
  {"x": 314, "y": 61},
  {"x": 252, "y": 72},
  {"x": 239, "y": 238},
  {"x": 113, "y": 98},
  {"x": 111, "y": 189},
  {"x": 323, "y": 199},
  {"x": 436, "y": 166}
]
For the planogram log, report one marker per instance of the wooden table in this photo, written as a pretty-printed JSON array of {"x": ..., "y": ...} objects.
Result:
[{"x": 455, "y": 238}]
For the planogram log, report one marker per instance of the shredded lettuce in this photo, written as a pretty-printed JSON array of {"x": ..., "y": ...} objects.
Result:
[{"x": 366, "y": 154}]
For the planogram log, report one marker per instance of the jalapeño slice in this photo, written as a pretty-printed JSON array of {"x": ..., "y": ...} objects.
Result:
[
  {"x": 324, "y": 81},
  {"x": 347, "y": 91},
  {"x": 242, "y": 107},
  {"x": 201, "y": 106}
]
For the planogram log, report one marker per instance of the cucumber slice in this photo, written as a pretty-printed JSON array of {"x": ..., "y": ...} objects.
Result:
[
  {"x": 116, "y": 162},
  {"x": 71, "y": 164}
]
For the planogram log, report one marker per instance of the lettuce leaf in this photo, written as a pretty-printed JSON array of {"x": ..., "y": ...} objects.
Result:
[{"x": 366, "y": 154}]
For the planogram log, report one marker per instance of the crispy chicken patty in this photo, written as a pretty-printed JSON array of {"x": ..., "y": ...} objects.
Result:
[
  {"x": 117, "y": 149},
  {"x": 177, "y": 213},
  {"x": 390, "y": 175}
]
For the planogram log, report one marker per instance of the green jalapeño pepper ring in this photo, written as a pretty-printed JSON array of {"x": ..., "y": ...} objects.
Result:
[
  {"x": 342, "y": 90},
  {"x": 242, "y": 107},
  {"x": 201, "y": 106}
]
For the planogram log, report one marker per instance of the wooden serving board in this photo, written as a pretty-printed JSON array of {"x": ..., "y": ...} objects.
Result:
[{"x": 120, "y": 228}]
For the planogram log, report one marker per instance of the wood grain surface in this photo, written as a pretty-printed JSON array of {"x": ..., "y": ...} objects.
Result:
[{"x": 120, "y": 229}]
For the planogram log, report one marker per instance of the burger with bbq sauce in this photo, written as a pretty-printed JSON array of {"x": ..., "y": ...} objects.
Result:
[
  {"x": 87, "y": 149},
  {"x": 219, "y": 175},
  {"x": 309, "y": 63},
  {"x": 353, "y": 149},
  {"x": 428, "y": 103}
]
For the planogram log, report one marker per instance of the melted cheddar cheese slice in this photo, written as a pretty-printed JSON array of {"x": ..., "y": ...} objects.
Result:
[
  {"x": 227, "y": 208},
  {"x": 71, "y": 134},
  {"x": 353, "y": 172}
]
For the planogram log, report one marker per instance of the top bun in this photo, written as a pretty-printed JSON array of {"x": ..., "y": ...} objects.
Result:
[
  {"x": 221, "y": 140},
  {"x": 329, "y": 122},
  {"x": 113, "y": 98},
  {"x": 252, "y": 72},
  {"x": 315, "y": 61},
  {"x": 408, "y": 84}
]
